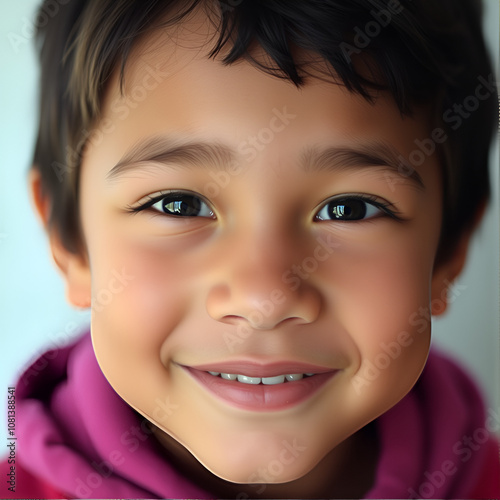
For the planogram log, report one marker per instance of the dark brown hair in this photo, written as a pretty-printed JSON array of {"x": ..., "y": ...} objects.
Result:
[{"x": 425, "y": 52}]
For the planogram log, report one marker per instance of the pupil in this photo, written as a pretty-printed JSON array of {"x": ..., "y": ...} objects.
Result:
[
  {"x": 186, "y": 206},
  {"x": 348, "y": 210}
]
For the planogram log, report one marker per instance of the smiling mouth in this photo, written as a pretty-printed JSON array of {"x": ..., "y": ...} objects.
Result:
[
  {"x": 278, "y": 379},
  {"x": 279, "y": 387}
]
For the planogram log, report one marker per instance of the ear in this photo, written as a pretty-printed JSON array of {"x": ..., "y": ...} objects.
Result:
[
  {"x": 73, "y": 267},
  {"x": 444, "y": 275}
]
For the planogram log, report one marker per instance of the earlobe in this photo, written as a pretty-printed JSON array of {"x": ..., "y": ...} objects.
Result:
[
  {"x": 75, "y": 271},
  {"x": 73, "y": 267},
  {"x": 449, "y": 270},
  {"x": 78, "y": 283}
]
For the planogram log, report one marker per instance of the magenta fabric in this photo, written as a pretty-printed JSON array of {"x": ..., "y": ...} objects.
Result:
[
  {"x": 79, "y": 436},
  {"x": 423, "y": 453}
]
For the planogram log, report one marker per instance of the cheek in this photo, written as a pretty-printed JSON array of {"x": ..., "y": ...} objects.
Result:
[
  {"x": 382, "y": 292},
  {"x": 381, "y": 298},
  {"x": 152, "y": 295},
  {"x": 130, "y": 331},
  {"x": 138, "y": 298}
]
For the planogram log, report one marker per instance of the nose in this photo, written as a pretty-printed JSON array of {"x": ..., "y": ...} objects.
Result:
[{"x": 255, "y": 286}]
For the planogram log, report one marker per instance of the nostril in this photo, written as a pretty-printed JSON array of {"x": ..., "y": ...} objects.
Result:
[
  {"x": 258, "y": 309},
  {"x": 259, "y": 322},
  {"x": 295, "y": 320},
  {"x": 232, "y": 319}
]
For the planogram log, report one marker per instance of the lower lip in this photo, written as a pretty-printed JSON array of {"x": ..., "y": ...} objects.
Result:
[{"x": 260, "y": 397}]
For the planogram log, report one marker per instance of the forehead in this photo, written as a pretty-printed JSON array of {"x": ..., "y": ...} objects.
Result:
[{"x": 172, "y": 87}]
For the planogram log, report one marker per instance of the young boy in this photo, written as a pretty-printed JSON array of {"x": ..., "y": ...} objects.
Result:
[{"x": 257, "y": 200}]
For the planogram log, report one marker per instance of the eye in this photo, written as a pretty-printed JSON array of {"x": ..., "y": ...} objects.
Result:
[
  {"x": 351, "y": 208},
  {"x": 183, "y": 205},
  {"x": 177, "y": 204}
]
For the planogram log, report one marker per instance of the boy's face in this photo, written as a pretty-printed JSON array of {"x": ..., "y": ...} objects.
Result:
[{"x": 262, "y": 277}]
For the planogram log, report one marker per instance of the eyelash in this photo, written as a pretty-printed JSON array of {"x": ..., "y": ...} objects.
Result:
[
  {"x": 173, "y": 195},
  {"x": 387, "y": 209}
]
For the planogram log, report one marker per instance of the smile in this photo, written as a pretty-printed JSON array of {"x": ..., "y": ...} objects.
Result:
[
  {"x": 259, "y": 388},
  {"x": 278, "y": 379}
]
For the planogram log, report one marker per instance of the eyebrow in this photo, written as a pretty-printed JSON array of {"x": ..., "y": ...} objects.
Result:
[{"x": 170, "y": 152}]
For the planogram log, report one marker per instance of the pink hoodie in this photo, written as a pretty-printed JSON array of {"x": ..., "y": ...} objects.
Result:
[{"x": 78, "y": 438}]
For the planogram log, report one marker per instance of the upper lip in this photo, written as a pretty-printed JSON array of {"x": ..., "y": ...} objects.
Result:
[{"x": 254, "y": 369}]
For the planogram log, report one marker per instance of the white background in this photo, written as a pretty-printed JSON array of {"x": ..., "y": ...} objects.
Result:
[{"x": 34, "y": 314}]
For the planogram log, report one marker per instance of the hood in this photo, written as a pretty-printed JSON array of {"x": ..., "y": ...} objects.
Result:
[{"x": 77, "y": 434}]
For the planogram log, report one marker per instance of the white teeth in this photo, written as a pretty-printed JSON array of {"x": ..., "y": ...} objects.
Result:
[
  {"x": 248, "y": 380},
  {"x": 278, "y": 379}
]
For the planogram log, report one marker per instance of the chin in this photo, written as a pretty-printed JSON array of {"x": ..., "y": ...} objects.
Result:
[
  {"x": 275, "y": 460},
  {"x": 272, "y": 472}
]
